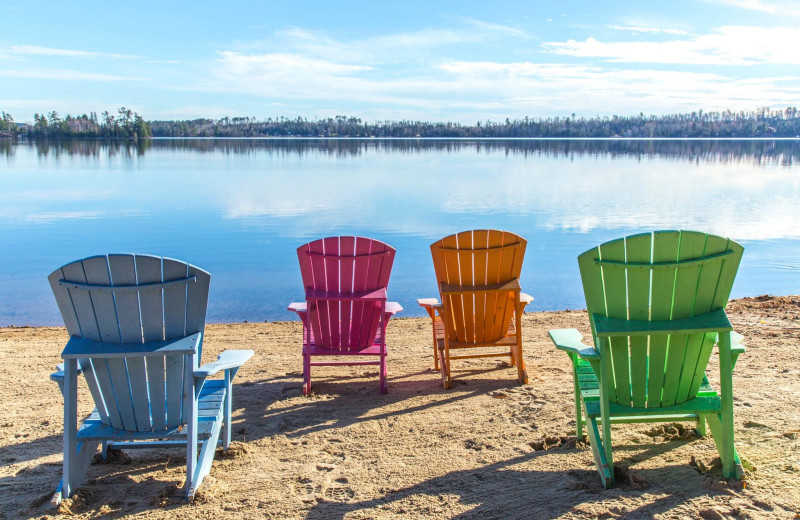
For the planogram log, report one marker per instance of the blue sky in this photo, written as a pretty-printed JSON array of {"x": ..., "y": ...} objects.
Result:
[{"x": 456, "y": 60}]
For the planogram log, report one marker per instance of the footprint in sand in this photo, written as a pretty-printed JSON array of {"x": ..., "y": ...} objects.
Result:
[
  {"x": 339, "y": 490},
  {"x": 306, "y": 489}
]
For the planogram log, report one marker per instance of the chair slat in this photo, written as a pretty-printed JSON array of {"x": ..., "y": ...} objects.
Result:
[
  {"x": 156, "y": 385},
  {"x": 347, "y": 246},
  {"x": 103, "y": 379},
  {"x": 332, "y": 278},
  {"x": 148, "y": 270},
  {"x": 665, "y": 248},
  {"x": 692, "y": 245},
  {"x": 118, "y": 371},
  {"x": 174, "y": 372},
  {"x": 480, "y": 238},
  {"x": 64, "y": 303},
  {"x": 615, "y": 286},
  {"x": 82, "y": 302},
  {"x": 96, "y": 270},
  {"x": 94, "y": 388},
  {"x": 375, "y": 279},
  {"x": 197, "y": 302},
  {"x": 362, "y": 247},
  {"x": 466, "y": 268},
  {"x": 139, "y": 394},
  {"x": 174, "y": 299},
  {"x": 123, "y": 271},
  {"x": 638, "y": 248},
  {"x": 454, "y": 307}
]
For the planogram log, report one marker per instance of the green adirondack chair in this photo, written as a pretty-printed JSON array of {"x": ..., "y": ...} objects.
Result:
[{"x": 656, "y": 304}]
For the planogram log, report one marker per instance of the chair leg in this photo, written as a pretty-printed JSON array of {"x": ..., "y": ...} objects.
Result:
[
  {"x": 728, "y": 451},
  {"x": 383, "y": 373},
  {"x": 701, "y": 425},
  {"x": 577, "y": 390},
  {"x": 445, "y": 367},
  {"x": 306, "y": 374},
  {"x": 604, "y": 466},
  {"x": 435, "y": 345},
  {"x": 227, "y": 412},
  {"x": 522, "y": 374}
]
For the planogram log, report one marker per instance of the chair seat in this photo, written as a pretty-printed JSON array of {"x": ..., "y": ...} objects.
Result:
[
  {"x": 707, "y": 401},
  {"x": 210, "y": 410}
]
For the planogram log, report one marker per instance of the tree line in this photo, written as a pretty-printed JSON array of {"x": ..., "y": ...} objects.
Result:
[
  {"x": 125, "y": 124},
  {"x": 758, "y": 123},
  {"x": 128, "y": 124}
]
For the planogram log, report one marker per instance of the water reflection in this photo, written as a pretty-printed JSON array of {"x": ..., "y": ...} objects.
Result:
[
  {"x": 784, "y": 152},
  {"x": 239, "y": 207}
]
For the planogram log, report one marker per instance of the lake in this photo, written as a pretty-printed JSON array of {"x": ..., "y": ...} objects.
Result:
[{"x": 240, "y": 207}]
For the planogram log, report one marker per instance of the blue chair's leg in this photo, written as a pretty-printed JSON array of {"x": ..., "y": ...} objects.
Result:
[
  {"x": 105, "y": 450},
  {"x": 190, "y": 416},
  {"x": 226, "y": 433},
  {"x": 68, "y": 483}
]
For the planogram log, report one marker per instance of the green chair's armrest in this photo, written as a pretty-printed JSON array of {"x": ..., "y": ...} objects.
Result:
[
  {"x": 569, "y": 340},
  {"x": 737, "y": 344},
  {"x": 714, "y": 321},
  {"x": 227, "y": 360}
]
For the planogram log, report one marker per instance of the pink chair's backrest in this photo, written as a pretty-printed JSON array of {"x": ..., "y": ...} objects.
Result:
[{"x": 345, "y": 265}]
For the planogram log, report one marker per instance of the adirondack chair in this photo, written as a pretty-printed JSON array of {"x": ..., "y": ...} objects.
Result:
[
  {"x": 478, "y": 276},
  {"x": 656, "y": 304},
  {"x": 345, "y": 312},
  {"x": 136, "y": 333}
]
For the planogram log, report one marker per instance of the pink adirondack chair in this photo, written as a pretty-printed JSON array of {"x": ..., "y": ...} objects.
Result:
[{"x": 345, "y": 312}]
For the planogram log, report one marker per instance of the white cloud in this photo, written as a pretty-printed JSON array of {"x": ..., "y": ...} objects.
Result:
[
  {"x": 36, "y": 50},
  {"x": 643, "y": 29},
  {"x": 727, "y": 45},
  {"x": 68, "y": 75},
  {"x": 774, "y": 8}
]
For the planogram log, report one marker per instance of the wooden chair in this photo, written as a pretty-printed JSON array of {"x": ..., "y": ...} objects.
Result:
[
  {"x": 345, "y": 312},
  {"x": 136, "y": 333},
  {"x": 656, "y": 305},
  {"x": 481, "y": 300}
]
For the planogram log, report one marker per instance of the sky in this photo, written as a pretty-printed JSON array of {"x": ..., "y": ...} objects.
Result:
[{"x": 463, "y": 61}]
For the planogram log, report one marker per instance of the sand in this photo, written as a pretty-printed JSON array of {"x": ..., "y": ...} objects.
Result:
[{"x": 487, "y": 448}]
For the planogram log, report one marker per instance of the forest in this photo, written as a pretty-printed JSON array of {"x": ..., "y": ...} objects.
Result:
[
  {"x": 763, "y": 122},
  {"x": 125, "y": 124}
]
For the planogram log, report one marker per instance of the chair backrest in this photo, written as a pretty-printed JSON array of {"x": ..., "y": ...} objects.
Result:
[
  {"x": 478, "y": 258},
  {"x": 665, "y": 275},
  {"x": 347, "y": 266},
  {"x": 133, "y": 299}
]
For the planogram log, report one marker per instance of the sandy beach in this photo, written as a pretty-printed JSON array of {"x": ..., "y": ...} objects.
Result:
[{"x": 487, "y": 448}]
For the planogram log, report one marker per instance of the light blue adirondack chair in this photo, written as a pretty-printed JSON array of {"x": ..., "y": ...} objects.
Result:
[{"x": 136, "y": 333}]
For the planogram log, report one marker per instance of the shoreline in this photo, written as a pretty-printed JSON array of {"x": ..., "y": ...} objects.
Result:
[{"x": 487, "y": 448}]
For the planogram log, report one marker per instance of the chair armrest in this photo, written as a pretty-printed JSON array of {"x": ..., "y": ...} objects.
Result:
[
  {"x": 428, "y": 303},
  {"x": 393, "y": 308},
  {"x": 58, "y": 375},
  {"x": 569, "y": 340},
  {"x": 737, "y": 344},
  {"x": 225, "y": 361},
  {"x": 525, "y": 298},
  {"x": 297, "y": 307}
]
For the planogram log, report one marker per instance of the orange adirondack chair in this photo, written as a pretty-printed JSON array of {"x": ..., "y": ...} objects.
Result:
[{"x": 482, "y": 303}]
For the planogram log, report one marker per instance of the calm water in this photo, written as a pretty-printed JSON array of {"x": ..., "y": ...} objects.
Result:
[{"x": 239, "y": 208}]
